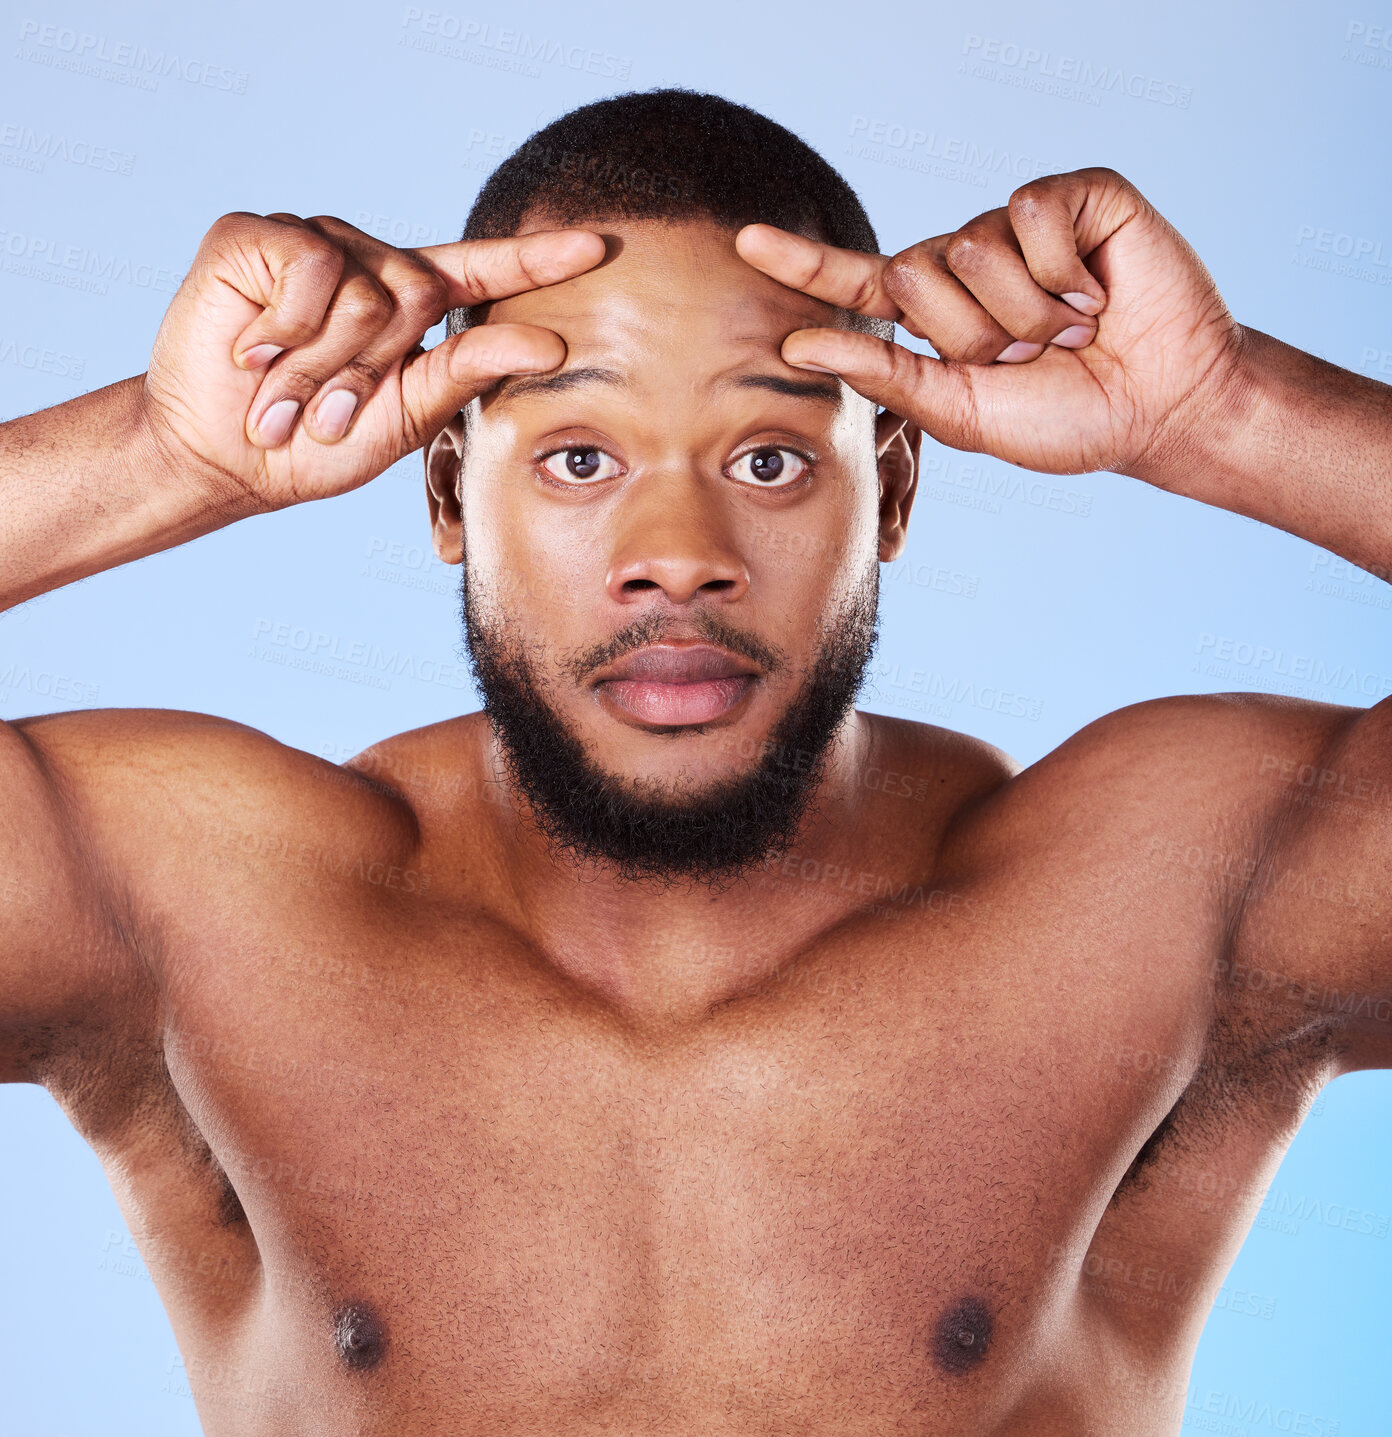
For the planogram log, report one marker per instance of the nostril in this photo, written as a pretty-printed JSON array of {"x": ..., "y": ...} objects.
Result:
[{"x": 640, "y": 584}]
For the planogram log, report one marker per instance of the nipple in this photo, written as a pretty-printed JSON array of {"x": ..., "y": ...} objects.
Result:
[
  {"x": 359, "y": 1337},
  {"x": 962, "y": 1336}
]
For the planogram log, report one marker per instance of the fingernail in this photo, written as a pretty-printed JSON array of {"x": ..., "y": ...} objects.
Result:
[
  {"x": 259, "y": 355},
  {"x": 1083, "y": 303},
  {"x": 807, "y": 364},
  {"x": 277, "y": 422},
  {"x": 1074, "y": 337},
  {"x": 1018, "y": 352},
  {"x": 334, "y": 412}
]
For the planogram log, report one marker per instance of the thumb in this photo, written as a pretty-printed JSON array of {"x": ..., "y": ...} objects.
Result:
[
  {"x": 437, "y": 384},
  {"x": 929, "y": 393}
]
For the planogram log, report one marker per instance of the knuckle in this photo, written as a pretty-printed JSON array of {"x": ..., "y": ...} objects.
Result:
[
  {"x": 979, "y": 346},
  {"x": 363, "y": 306},
  {"x": 234, "y": 220},
  {"x": 901, "y": 275},
  {"x": 422, "y": 295},
  {"x": 812, "y": 271},
  {"x": 291, "y": 328},
  {"x": 295, "y": 382},
  {"x": 313, "y": 254},
  {"x": 230, "y": 230},
  {"x": 902, "y": 366},
  {"x": 361, "y": 375},
  {"x": 1028, "y": 202},
  {"x": 1039, "y": 329},
  {"x": 982, "y": 351},
  {"x": 1056, "y": 278},
  {"x": 964, "y": 251}
]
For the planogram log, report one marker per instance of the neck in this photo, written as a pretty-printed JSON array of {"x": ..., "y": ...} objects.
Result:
[{"x": 671, "y": 948}]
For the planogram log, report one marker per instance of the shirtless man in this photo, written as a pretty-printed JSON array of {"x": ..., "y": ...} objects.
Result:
[{"x": 671, "y": 1047}]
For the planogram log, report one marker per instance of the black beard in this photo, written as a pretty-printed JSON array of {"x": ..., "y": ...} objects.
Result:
[{"x": 641, "y": 831}]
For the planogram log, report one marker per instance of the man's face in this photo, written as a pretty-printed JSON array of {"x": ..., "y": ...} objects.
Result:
[{"x": 672, "y": 555}]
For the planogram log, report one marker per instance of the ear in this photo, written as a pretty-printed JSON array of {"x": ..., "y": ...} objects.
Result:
[
  {"x": 444, "y": 458},
  {"x": 897, "y": 445}
]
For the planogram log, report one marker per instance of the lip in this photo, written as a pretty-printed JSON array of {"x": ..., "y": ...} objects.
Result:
[{"x": 674, "y": 684}]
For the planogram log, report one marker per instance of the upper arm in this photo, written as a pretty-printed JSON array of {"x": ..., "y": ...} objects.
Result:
[
  {"x": 62, "y": 944},
  {"x": 104, "y": 821},
  {"x": 1314, "y": 936}
]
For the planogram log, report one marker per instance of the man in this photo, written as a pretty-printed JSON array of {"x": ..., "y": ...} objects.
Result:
[{"x": 670, "y": 1046}]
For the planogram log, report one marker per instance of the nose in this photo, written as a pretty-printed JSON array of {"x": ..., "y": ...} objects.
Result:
[{"x": 676, "y": 536}]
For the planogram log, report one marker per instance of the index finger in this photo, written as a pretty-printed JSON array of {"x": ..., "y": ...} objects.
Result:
[
  {"x": 480, "y": 270},
  {"x": 847, "y": 278}
]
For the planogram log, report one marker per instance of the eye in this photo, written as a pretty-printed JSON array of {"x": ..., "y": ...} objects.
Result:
[
  {"x": 769, "y": 468},
  {"x": 581, "y": 465}
]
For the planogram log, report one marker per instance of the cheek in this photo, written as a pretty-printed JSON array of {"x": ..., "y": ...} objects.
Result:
[
  {"x": 816, "y": 551},
  {"x": 525, "y": 556}
]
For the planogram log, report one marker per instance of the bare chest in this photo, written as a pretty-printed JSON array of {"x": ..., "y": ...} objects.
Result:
[{"x": 869, "y": 1174}]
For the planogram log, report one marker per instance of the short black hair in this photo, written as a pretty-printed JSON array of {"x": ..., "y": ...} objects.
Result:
[{"x": 671, "y": 154}]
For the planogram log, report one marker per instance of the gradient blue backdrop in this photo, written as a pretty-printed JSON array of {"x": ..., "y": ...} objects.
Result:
[{"x": 1262, "y": 132}]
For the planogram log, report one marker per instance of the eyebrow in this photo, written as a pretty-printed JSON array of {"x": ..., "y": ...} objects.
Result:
[
  {"x": 515, "y": 386},
  {"x": 824, "y": 391}
]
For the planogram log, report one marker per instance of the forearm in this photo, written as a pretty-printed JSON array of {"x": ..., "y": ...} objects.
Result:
[
  {"x": 85, "y": 486},
  {"x": 1299, "y": 444}
]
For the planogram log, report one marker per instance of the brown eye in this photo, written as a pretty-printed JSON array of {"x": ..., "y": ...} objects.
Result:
[
  {"x": 579, "y": 466},
  {"x": 769, "y": 468}
]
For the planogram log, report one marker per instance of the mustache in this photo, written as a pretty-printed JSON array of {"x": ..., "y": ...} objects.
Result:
[{"x": 654, "y": 626}]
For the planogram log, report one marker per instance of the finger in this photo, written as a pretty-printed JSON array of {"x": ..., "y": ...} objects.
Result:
[
  {"x": 418, "y": 298},
  {"x": 933, "y": 394},
  {"x": 846, "y": 278},
  {"x": 439, "y": 382},
  {"x": 279, "y": 264},
  {"x": 480, "y": 270},
  {"x": 986, "y": 258},
  {"x": 1059, "y": 219},
  {"x": 937, "y": 307},
  {"x": 357, "y": 312}
]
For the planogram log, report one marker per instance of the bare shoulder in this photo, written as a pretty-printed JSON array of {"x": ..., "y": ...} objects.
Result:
[
  {"x": 1212, "y": 772},
  {"x": 433, "y": 772},
  {"x": 925, "y": 756},
  {"x": 1209, "y": 749},
  {"x": 116, "y": 833},
  {"x": 137, "y": 775},
  {"x": 160, "y": 808}
]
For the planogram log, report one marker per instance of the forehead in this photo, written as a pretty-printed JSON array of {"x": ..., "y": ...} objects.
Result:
[{"x": 668, "y": 289}]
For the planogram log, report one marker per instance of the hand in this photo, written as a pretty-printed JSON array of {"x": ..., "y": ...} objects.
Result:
[
  {"x": 289, "y": 364},
  {"x": 1076, "y": 329}
]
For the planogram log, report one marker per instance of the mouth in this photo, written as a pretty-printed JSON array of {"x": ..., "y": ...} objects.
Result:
[{"x": 673, "y": 685}]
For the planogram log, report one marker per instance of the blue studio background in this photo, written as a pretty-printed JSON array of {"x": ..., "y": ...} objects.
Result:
[{"x": 1261, "y": 131}]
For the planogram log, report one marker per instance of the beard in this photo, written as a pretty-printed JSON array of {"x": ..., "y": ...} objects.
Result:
[{"x": 645, "y": 830}]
